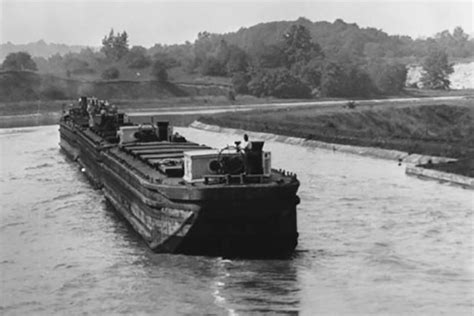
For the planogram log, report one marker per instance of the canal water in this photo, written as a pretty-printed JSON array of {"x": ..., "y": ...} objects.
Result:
[{"x": 372, "y": 241}]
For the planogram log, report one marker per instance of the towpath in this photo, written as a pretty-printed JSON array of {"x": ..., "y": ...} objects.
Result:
[{"x": 184, "y": 110}]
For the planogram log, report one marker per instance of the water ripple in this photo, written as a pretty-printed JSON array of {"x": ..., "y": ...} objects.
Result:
[{"x": 372, "y": 241}]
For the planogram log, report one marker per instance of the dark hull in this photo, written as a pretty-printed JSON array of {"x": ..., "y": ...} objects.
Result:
[{"x": 227, "y": 220}]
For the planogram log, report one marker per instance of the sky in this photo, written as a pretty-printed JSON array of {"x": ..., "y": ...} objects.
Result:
[{"x": 86, "y": 22}]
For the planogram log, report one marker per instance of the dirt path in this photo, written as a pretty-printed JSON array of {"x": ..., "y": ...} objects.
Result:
[
  {"x": 48, "y": 118},
  {"x": 185, "y": 110}
]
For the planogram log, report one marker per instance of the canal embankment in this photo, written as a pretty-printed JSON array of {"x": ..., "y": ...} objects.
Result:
[
  {"x": 439, "y": 137},
  {"x": 429, "y": 133},
  {"x": 413, "y": 162},
  {"x": 184, "y": 110}
]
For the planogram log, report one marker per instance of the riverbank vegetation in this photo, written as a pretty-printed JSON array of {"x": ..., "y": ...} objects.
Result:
[
  {"x": 445, "y": 130},
  {"x": 265, "y": 63},
  {"x": 46, "y": 107},
  {"x": 286, "y": 59},
  {"x": 136, "y": 105},
  {"x": 45, "y": 112}
]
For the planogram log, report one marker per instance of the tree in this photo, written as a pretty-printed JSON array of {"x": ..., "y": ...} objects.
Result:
[
  {"x": 333, "y": 81},
  {"x": 240, "y": 81},
  {"x": 158, "y": 70},
  {"x": 19, "y": 61},
  {"x": 388, "y": 78},
  {"x": 115, "y": 46},
  {"x": 298, "y": 46},
  {"x": 110, "y": 73},
  {"x": 279, "y": 83},
  {"x": 222, "y": 52},
  {"x": 310, "y": 72},
  {"x": 436, "y": 70},
  {"x": 345, "y": 80},
  {"x": 213, "y": 67},
  {"x": 373, "y": 50},
  {"x": 459, "y": 35},
  {"x": 74, "y": 65},
  {"x": 286, "y": 85},
  {"x": 167, "y": 59},
  {"x": 358, "y": 82},
  {"x": 202, "y": 46},
  {"x": 212, "y": 61},
  {"x": 137, "y": 58},
  {"x": 271, "y": 56},
  {"x": 237, "y": 61}
]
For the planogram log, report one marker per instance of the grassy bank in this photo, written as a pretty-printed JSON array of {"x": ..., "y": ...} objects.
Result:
[
  {"x": 53, "y": 119},
  {"x": 129, "y": 105},
  {"x": 43, "y": 112},
  {"x": 26, "y": 85},
  {"x": 29, "y": 120},
  {"x": 464, "y": 166},
  {"x": 431, "y": 129},
  {"x": 423, "y": 127}
]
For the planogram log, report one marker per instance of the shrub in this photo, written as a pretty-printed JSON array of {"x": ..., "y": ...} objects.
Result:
[
  {"x": 53, "y": 93},
  {"x": 19, "y": 61},
  {"x": 240, "y": 81},
  {"x": 137, "y": 58},
  {"x": 436, "y": 70},
  {"x": 83, "y": 71},
  {"x": 158, "y": 71},
  {"x": 213, "y": 67},
  {"x": 345, "y": 81},
  {"x": 388, "y": 78},
  {"x": 279, "y": 83},
  {"x": 110, "y": 73}
]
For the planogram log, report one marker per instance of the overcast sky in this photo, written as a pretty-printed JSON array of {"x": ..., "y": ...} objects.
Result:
[{"x": 86, "y": 22}]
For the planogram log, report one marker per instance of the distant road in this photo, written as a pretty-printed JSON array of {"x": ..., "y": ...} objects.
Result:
[{"x": 184, "y": 110}]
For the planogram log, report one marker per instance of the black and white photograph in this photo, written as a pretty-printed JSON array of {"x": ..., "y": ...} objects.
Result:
[{"x": 266, "y": 157}]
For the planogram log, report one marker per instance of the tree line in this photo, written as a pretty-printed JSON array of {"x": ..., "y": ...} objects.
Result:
[{"x": 282, "y": 59}]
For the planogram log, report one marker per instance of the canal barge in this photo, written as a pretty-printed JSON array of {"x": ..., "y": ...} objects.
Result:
[{"x": 180, "y": 196}]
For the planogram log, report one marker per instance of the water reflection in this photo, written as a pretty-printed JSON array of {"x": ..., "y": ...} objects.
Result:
[
  {"x": 232, "y": 286},
  {"x": 262, "y": 286}
]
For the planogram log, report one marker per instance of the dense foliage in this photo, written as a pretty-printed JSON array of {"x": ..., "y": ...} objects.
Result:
[
  {"x": 137, "y": 58},
  {"x": 388, "y": 78},
  {"x": 110, "y": 73},
  {"x": 297, "y": 59},
  {"x": 159, "y": 71},
  {"x": 436, "y": 70},
  {"x": 280, "y": 83},
  {"x": 115, "y": 46},
  {"x": 19, "y": 61}
]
